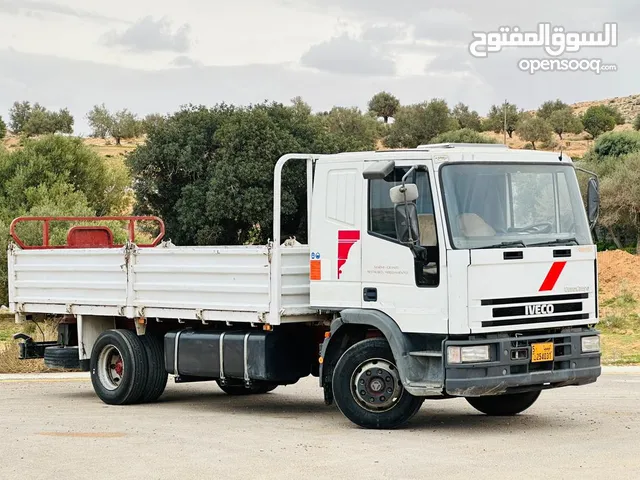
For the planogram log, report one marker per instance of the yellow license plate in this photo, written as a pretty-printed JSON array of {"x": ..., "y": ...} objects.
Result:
[{"x": 541, "y": 352}]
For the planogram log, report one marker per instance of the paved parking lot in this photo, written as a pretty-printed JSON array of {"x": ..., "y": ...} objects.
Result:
[{"x": 56, "y": 428}]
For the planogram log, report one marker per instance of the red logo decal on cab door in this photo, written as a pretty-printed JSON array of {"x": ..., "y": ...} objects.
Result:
[
  {"x": 552, "y": 276},
  {"x": 346, "y": 240}
]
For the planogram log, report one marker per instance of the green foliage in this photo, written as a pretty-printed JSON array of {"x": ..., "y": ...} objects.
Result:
[
  {"x": 598, "y": 119},
  {"x": 3, "y": 129},
  {"x": 464, "y": 135},
  {"x": 36, "y": 120},
  {"x": 349, "y": 130},
  {"x": 151, "y": 121},
  {"x": 19, "y": 116},
  {"x": 99, "y": 120},
  {"x": 467, "y": 119},
  {"x": 564, "y": 121},
  {"x": 55, "y": 175},
  {"x": 548, "y": 108},
  {"x": 620, "y": 193},
  {"x": 496, "y": 118},
  {"x": 417, "y": 124},
  {"x": 534, "y": 129},
  {"x": 384, "y": 105},
  {"x": 615, "y": 113},
  {"x": 119, "y": 125},
  {"x": 125, "y": 125},
  {"x": 615, "y": 144},
  {"x": 636, "y": 122},
  {"x": 208, "y": 172}
]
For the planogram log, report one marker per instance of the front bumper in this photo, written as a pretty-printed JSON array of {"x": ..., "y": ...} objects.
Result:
[{"x": 505, "y": 373}]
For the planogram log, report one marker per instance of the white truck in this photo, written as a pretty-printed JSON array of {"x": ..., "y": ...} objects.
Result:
[{"x": 449, "y": 270}]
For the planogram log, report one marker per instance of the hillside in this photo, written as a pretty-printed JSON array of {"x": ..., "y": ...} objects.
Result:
[{"x": 574, "y": 145}]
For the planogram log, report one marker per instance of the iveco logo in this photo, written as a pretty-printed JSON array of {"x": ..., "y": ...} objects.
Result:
[{"x": 539, "y": 309}]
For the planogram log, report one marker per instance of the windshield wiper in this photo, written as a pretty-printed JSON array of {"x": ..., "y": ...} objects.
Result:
[
  {"x": 516, "y": 243},
  {"x": 558, "y": 241}
]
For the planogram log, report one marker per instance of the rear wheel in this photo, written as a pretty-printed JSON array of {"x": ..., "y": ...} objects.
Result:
[
  {"x": 239, "y": 388},
  {"x": 504, "y": 405},
  {"x": 119, "y": 367},
  {"x": 157, "y": 377},
  {"x": 367, "y": 387}
]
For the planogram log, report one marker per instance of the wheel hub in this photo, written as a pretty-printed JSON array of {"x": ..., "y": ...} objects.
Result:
[
  {"x": 376, "y": 385},
  {"x": 110, "y": 367}
]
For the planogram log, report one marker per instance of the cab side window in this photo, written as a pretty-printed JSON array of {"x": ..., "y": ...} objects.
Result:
[{"x": 381, "y": 221}]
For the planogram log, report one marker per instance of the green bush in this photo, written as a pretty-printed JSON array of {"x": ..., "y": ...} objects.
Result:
[
  {"x": 55, "y": 176},
  {"x": 616, "y": 144},
  {"x": 463, "y": 135}
]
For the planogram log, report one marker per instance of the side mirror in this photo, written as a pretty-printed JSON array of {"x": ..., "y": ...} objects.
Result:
[
  {"x": 407, "y": 228},
  {"x": 406, "y": 212},
  {"x": 404, "y": 193},
  {"x": 593, "y": 202}
]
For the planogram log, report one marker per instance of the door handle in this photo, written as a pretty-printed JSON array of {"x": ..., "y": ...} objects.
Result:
[{"x": 370, "y": 294}]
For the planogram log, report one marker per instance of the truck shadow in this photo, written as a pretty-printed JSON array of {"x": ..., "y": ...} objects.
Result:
[{"x": 434, "y": 416}]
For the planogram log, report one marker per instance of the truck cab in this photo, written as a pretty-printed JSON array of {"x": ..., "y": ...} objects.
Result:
[{"x": 477, "y": 260}]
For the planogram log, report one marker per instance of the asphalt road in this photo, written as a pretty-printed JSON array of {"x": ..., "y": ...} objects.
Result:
[{"x": 55, "y": 428}]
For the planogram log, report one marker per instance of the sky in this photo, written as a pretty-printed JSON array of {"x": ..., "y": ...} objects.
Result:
[{"x": 157, "y": 55}]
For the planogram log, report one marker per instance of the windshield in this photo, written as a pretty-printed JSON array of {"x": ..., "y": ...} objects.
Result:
[{"x": 491, "y": 205}]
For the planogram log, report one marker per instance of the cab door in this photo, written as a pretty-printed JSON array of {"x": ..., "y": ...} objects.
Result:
[{"x": 410, "y": 291}]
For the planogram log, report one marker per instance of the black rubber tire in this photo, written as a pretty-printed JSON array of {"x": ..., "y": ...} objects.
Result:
[
  {"x": 134, "y": 375},
  {"x": 504, "y": 405},
  {"x": 65, "y": 358},
  {"x": 405, "y": 408},
  {"x": 157, "y": 376},
  {"x": 237, "y": 388}
]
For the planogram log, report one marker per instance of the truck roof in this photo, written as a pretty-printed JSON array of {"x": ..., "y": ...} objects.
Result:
[{"x": 456, "y": 152}]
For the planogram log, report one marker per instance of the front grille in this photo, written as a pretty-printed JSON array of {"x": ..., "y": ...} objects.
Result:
[
  {"x": 538, "y": 309},
  {"x": 536, "y": 299},
  {"x": 562, "y": 350}
]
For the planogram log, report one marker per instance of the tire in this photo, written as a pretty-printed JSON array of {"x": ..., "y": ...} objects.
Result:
[
  {"x": 370, "y": 363},
  {"x": 238, "y": 388},
  {"x": 119, "y": 367},
  {"x": 65, "y": 358},
  {"x": 157, "y": 376},
  {"x": 504, "y": 405}
]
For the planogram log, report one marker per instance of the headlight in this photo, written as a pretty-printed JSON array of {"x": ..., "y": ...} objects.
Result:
[
  {"x": 590, "y": 344},
  {"x": 477, "y": 353}
]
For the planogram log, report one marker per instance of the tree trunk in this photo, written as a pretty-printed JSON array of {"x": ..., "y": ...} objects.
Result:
[
  {"x": 560, "y": 135},
  {"x": 510, "y": 133},
  {"x": 533, "y": 144},
  {"x": 386, "y": 119},
  {"x": 118, "y": 139},
  {"x": 638, "y": 242},
  {"x": 614, "y": 237}
]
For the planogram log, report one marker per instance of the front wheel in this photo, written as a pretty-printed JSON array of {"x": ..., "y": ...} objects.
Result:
[
  {"x": 504, "y": 405},
  {"x": 367, "y": 387}
]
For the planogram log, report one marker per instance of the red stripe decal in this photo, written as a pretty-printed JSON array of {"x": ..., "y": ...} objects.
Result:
[{"x": 552, "y": 277}]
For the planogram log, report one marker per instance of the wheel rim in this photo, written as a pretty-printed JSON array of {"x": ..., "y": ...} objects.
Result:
[
  {"x": 110, "y": 367},
  {"x": 375, "y": 385}
]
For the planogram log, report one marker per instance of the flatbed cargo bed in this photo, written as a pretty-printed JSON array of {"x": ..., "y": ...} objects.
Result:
[{"x": 210, "y": 283}]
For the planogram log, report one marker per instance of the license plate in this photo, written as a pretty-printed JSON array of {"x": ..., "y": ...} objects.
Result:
[{"x": 542, "y": 352}]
